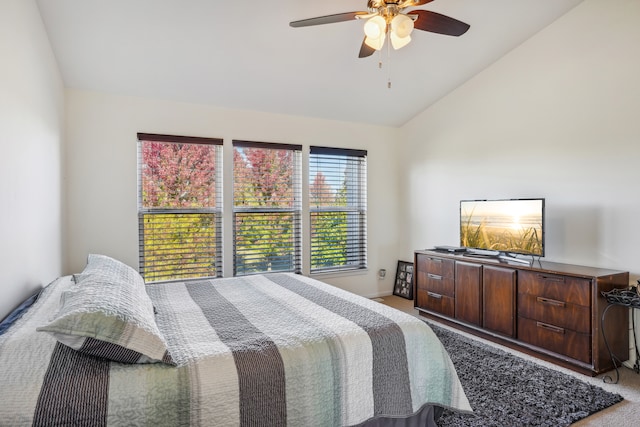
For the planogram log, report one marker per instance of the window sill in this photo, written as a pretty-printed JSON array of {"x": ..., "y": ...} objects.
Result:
[{"x": 339, "y": 273}]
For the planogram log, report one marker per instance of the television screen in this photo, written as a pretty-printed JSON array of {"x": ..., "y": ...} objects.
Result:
[{"x": 510, "y": 226}]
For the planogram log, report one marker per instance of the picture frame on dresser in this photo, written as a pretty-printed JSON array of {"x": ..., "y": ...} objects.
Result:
[{"x": 403, "y": 285}]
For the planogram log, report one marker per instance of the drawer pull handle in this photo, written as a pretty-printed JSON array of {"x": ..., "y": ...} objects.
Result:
[
  {"x": 434, "y": 276},
  {"x": 434, "y": 295},
  {"x": 550, "y": 328},
  {"x": 552, "y": 302},
  {"x": 551, "y": 278},
  {"x": 438, "y": 260}
]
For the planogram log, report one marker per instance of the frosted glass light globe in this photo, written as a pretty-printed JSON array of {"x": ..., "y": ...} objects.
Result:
[
  {"x": 399, "y": 42},
  {"x": 402, "y": 26},
  {"x": 375, "y": 27}
]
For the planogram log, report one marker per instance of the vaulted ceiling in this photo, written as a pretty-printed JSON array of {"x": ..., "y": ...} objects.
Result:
[{"x": 244, "y": 55}]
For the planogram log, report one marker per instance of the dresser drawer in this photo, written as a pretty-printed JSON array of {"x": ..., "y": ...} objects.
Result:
[
  {"x": 438, "y": 266},
  {"x": 565, "y": 289},
  {"x": 438, "y": 284},
  {"x": 435, "y": 275},
  {"x": 554, "y": 312},
  {"x": 554, "y": 338},
  {"x": 436, "y": 302}
]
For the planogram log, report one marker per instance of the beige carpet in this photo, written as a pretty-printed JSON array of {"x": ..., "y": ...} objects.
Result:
[{"x": 625, "y": 413}]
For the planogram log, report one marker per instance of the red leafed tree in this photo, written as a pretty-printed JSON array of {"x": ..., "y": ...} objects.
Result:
[
  {"x": 178, "y": 175},
  {"x": 320, "y": 192},
  {"x": 263, "y": 177}
]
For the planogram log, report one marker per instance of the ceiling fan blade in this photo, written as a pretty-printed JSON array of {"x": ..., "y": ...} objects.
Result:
[
  {"x": 411, "y": 3},
  {"x": 437, "y": 23},
  {"x": 328, "y": 19},
  {"x": 365, "y": 50}
]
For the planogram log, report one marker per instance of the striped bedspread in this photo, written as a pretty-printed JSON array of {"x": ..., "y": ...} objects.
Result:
[{"x": 266, "y": 350}]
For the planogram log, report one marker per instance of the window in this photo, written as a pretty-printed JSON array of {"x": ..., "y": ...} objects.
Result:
[
  {"x": 266, "y": 207},
  {"x": 338, "y": 209},
  {"x": 179, "y": 207}
]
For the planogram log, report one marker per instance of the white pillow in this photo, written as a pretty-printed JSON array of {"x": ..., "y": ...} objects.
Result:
[
  {"x": 110, "y": 269},
  {"x": 109, "y": 314}
]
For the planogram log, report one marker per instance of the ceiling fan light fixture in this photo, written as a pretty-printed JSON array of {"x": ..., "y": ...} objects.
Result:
[
  {"x": 402, "y": 25},
  {"x": 399, "y": 42},
  {"x": 390, "y": 17},
  {"x": 375, "y": 27}
]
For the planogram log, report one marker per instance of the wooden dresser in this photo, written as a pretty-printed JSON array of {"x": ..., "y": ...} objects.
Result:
[{"x": 549, "y": 310}]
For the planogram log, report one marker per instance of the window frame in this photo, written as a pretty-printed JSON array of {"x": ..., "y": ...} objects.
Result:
[
  {"x": 356, "y": 240},
  {"x": 295, "y": 210},
  {"x": 215, "y": 212}
]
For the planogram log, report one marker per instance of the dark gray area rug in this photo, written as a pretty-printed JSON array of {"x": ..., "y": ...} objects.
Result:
[{"x": 506, "y": 390}]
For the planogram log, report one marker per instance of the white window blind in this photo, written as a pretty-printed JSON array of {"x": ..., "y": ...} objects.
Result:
[
  {"x": 338, "y": 208},
  {"x": 179, "y": 207},
  {"x": 267, "y": 207}
]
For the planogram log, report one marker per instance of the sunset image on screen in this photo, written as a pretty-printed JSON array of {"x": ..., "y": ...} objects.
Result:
[{"x": 513, "y": 226}]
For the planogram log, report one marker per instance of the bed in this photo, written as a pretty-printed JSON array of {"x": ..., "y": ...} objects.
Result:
[{"x": 104, "y": 348}]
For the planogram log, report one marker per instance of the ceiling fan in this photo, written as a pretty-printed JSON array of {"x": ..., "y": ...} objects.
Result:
[{"x": 388, "y": 17}]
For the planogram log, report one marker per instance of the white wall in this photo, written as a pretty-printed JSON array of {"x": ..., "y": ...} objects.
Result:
[
  {"x": 31, "y": 132},
  {"x": 102, "y": 173},
  {"x": 558, "y": 117}
]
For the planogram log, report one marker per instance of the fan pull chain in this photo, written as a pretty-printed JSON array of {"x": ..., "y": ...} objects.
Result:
[
  {"x": 380, "y": 62},
  {"x": 389, "y": 64}
]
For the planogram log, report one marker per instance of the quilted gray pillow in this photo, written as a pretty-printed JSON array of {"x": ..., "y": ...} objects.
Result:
[
  {"x": 109, "y": 314},
  {"x": 110, "y": 269}
]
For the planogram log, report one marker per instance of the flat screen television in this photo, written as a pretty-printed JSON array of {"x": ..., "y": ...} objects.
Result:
[{"x": 509, "y": 226}]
